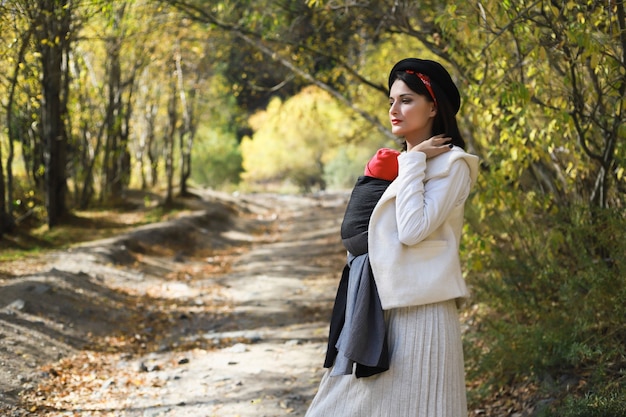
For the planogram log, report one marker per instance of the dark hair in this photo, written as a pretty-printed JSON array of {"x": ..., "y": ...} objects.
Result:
[{"x": 445, "y": 120}]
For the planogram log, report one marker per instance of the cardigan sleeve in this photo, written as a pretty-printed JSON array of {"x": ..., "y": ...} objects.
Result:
[{"x": 422, "y": 206}]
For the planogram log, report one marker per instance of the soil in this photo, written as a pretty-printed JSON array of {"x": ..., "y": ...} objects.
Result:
[{"x": 220, "y": 311}]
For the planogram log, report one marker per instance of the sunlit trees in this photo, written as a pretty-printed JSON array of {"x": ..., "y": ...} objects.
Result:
[
  {"x": 49, "y": 26},
  {"x": 552, "y": 81},
  {"x": 542, "y": 81},
  {"x": 86, "y": 101},
  {"x": 17, "y": 40},
  {"x": 294, "y": 139}
]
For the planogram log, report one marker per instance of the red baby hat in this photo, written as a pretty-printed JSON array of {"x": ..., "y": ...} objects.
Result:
[{"x": 383, "y": 165}]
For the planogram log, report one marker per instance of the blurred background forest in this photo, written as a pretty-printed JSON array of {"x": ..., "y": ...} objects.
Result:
[{"x": 102, "y": 97}]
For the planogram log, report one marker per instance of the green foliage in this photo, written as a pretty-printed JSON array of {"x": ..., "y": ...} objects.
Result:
[
  {"x": 216, "y": 160},
  {"x": 346, "y": 165},
  {"x": 550, "y": 294},
  {"x": 545, "y": 254},
  {"x": 547, "y": 74}
]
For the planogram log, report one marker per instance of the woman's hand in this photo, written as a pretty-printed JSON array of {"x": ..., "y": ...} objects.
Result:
[{"x": 434, "y": 146}]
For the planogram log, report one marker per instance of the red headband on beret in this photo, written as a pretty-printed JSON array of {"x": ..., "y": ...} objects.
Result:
[
  {"x": 437, "y": 75},
  {"x": 426, "y": 80}
]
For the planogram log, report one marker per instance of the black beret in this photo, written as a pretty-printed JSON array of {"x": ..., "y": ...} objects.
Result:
[{"x": 437, "y": 74}]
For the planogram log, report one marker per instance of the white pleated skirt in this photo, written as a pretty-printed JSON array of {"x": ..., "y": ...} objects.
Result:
[{"x": 426, "y": 376}]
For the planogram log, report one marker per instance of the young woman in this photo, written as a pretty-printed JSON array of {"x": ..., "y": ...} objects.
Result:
[{"x": 413, "y": 241}]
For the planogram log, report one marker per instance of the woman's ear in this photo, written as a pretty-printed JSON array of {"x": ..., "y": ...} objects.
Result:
[{"x": 433, "y": 109}]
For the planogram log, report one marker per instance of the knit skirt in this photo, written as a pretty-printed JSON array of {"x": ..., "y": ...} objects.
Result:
[{"x": 426, "y": 376}]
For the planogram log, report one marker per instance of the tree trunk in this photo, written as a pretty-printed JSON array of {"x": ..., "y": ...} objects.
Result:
[
  {"x": 124, "y": 159},
  {"x": 53, "y": 44},
  {"x": 7, "y": 221},
  {"x": 111, "y": 148},
  {"x": 153, "y": 159},
  {"x": 3, "y": 203},
  {"x": 150, "y": 146},
  {"x": 146, "y": 142},
  {"x": 169, "y": 142},
  {"x": 186, "y": 129},
  {"x": 185, "y": 162}
]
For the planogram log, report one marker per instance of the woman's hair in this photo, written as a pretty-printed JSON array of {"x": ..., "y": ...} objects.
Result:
[{"x": 445, "y": 120}]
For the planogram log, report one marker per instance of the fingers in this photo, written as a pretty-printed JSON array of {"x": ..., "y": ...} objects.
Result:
[
  {"x": 434, "y": 146},
  {"x": 441, "y": 140}
]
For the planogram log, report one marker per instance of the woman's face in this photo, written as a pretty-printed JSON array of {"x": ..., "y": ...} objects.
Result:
[{"x": 411, "y": 114}]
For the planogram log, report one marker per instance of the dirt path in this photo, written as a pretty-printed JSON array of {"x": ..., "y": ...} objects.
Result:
[{"x": 222, "y": 312}]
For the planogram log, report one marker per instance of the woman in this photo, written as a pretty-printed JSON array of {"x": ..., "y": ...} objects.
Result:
[{"x": 413, "y": 241}]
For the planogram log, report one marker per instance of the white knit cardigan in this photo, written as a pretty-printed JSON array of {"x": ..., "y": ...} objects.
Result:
[{"x": 415, "y": 229}]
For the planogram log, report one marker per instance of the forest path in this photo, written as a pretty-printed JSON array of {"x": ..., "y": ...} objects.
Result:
[{"x": 223, "y": 312}]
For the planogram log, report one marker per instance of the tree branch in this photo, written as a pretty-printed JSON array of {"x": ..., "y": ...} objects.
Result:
[{"x": 256, "y": 41}]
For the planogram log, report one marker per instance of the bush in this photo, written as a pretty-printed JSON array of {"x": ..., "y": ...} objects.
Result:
[
  {"x": 216, "y": 159},
  {"x": 341, "y": 172},
  {"x": 550, "y": 298}
]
